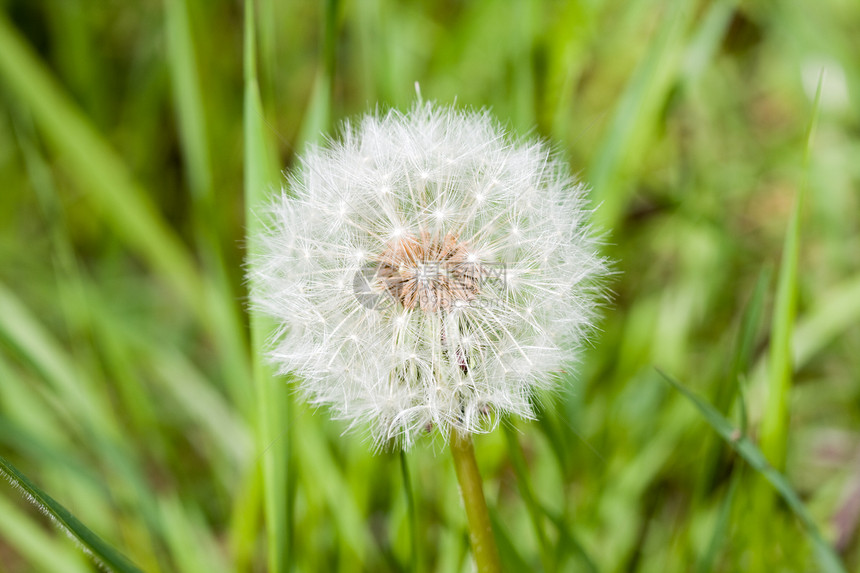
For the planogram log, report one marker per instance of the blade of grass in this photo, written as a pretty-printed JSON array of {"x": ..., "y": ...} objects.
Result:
[
  {"x": 190, "y": 113},
  {"x": 721, "y": 527},
  {"x": 191, "y": 547},
  {"x": 523, "y": 83},
  {"x": 774, "y": 424},
  {"x": 626, "y": 489},
  {"x": 84, "y": 310},
  {"x": 728, "y": 389},
  {"x": 518, "y": 461},
  {"x": 839, "y": 310},
  {"x": 746, "y": 341},
  {"x": 415, "y": 562},
  {"x": 97, "y": 168},
  {"x": 366, "y": 23},
  {"x": 508, "y": 552},
  {"x": 318, "y": 115},
  {"x": 638, "y": 105},
  {"x": 82, "y": 61},
  {"x": 824, "y": 553},
  {"x": 29, "y": 404},
  {"x": 707, "y": 40},
  {"x": 569, "y": 543},
  {"x": 267, "y": 34},
  {"x": 79, "y": 305},
  {"x": 209, "y": 410},
  {"x": 271, "y": 394},
  {"x": 246, "y": 514},
  {"x": 320, "y": 470},
  {"x": 87, "y": 407},
  {"x": 773, "y": 433},
  {"x": 188, "y": 100},
  {"x": 95, "y": 487},
  {"x": 43, "y": 184},
  {"x": 90, "y": 542},
  {"x": 19, "y": 532}
]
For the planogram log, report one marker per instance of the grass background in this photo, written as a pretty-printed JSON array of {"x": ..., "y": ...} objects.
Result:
[{"x": 128, "y": 390}]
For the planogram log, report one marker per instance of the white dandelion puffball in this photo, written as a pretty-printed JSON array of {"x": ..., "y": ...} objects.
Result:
[{"x": 427, "y": 271}]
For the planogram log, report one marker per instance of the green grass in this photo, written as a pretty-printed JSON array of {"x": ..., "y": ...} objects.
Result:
[{"x": 138, "y": 140}]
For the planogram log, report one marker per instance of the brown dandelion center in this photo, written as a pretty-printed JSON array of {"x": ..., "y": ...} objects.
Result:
[{"x": 428, "y": 272}]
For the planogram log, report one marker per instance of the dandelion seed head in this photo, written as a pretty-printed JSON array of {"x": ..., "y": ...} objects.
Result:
[{"x": 428, "y": 270}]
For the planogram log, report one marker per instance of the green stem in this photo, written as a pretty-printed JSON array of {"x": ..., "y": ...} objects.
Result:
[
  {"x": 414, "y": 559},
  {"x": 480, "y": 531}
]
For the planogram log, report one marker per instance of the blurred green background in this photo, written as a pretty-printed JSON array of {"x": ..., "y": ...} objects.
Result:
[{"x": 126, "y": 386}]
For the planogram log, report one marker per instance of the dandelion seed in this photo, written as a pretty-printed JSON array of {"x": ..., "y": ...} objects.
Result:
[{"x": 476, "y": 274}]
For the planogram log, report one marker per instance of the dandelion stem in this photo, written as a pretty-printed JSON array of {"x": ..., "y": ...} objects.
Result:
[{"x": 480, "y": 531}]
